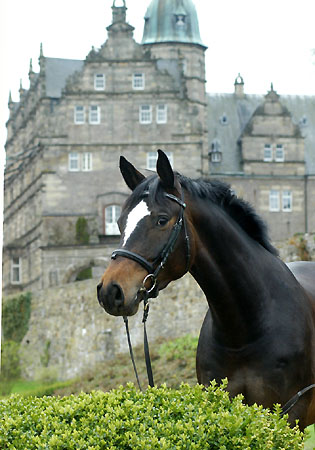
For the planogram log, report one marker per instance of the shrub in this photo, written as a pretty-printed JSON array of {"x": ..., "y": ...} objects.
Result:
[{"x": 160, "y": 418}]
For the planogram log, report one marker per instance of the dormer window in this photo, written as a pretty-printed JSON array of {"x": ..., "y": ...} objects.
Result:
[
  {"x": 180, "y": 20},
  {"x": 215, "y": 153}
]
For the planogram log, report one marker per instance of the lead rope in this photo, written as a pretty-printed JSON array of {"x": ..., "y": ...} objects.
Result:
[
  {"x": 146, "y": 343},
  {"x": 131, "y": 352},
  {"x": 286, "y": 408},
  {"x": 146, "y": 307}
]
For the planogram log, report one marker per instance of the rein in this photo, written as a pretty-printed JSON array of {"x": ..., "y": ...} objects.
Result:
[{"x": 153, "y": 270}]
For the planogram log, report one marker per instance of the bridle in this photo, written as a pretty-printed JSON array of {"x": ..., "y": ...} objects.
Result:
[
  {"x": 158, "y": 264},
  {"x": 153, "y": 270}
]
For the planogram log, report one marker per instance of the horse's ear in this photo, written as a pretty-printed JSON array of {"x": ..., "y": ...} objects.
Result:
[
  {"x": 130, "y": 174},
  {"x": 164, "y": 170}
]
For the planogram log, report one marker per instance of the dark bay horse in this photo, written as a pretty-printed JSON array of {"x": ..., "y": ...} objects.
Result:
[{"x": 259, "y": 329}]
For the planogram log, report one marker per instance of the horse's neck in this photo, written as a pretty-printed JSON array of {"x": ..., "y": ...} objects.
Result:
[{"x": 229, "y": 268}]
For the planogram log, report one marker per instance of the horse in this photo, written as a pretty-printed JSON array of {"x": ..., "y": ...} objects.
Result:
[{"x": 259, "y": 329}]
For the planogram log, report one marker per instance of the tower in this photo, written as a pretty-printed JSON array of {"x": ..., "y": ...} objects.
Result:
[{"x": 171, "y": 32}]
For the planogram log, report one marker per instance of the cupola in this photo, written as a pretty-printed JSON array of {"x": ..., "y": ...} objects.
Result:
[{"x": 171, "y": 21}]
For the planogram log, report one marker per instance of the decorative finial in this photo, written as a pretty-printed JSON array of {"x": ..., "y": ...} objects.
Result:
[
  {"x": 239, "y": 79},
  {"x": 41, "y": 53},
  {"x": 21, "y": 87},
  {"x": 119, "y": 4},
  {"x": 271, "y": 86},
  {"x": 31, "y": 66},
  {"x": 10, "y": 98}
]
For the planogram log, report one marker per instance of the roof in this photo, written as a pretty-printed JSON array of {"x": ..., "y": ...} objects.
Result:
[
  {"x": 171, "y": 21},
  {"x": 228, "y": 115},
  {"x": 57, "y": 70}
]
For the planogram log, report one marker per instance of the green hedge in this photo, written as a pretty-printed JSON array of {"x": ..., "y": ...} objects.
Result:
[{"x": 161, "y": 418}]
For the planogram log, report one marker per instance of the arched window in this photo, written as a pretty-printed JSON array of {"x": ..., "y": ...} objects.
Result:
[{"x": 112, "y": 214}]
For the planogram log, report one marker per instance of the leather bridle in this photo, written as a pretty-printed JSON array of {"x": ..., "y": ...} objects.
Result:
[
  {"x": 158, "y": 264},
  {"x": 153, "y": 270}
]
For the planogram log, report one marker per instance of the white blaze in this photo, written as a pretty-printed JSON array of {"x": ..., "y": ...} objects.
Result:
[{"x": 134, "y": 217}]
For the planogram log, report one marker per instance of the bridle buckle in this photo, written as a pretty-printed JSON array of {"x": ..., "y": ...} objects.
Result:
[{"x": 152, "y": 278}]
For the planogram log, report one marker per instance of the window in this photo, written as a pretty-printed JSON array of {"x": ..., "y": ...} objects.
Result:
[
  {"x": 95, "y": 116},
  {"x": 267, "y": 152},
  {"x": 152, "y": 158},
  {"x": 145, "y": 114},
  {"x": 138, "y": 81},
  {"x": 80, "y": 161},
  {"x": 161, "y": 113},
  {"x": 112, "y": 214},
  {"x": 74, "y": 162},
  {"x": 87, "y": 161},
  {"x": 279, "y": 153},
  {"x": 99, "y": 82},
  {"x": 216, "y": 157},
  {"x": 287, "y": 201},
  {"x": 16, "y": 270},
  {"x": 180, "y": 20},
  {"x": 274, "y": 200},
  {"x": 79, "y": 114},
  {"x": 215, "y": 153}
]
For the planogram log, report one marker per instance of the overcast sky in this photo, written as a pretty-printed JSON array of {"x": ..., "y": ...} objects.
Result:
[{"x": 266, "y": 41}]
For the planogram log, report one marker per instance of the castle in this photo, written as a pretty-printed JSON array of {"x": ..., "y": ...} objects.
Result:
[{"x": 63, "y": 189}]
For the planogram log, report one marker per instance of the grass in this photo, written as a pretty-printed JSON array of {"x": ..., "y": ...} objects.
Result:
[
  {"x": 310, "y": 443},
  {"x": 35, "y": 388}
]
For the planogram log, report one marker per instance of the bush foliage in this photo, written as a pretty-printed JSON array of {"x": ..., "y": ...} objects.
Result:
[{"x": 160, "y": 418}]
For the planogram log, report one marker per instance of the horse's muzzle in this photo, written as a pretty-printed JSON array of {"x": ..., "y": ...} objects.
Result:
[{"x": 111, "y": 298}]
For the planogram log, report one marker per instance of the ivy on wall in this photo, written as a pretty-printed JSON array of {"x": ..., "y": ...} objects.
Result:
[
  {"x": 81, "y": 231},
  {"x": 16, "y": 314}
]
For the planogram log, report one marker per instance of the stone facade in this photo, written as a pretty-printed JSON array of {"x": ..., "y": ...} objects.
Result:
[
  {"x": 65, "y": 137},
  {"x": 66, "y": 134}
]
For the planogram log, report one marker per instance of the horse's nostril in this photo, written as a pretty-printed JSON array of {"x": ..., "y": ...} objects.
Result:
[
  {"x": 99, "y": 287},
  {"x": 117, "y": 295}
]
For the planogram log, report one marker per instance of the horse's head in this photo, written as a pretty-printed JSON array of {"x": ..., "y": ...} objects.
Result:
[{"x": 154, "y": 247}]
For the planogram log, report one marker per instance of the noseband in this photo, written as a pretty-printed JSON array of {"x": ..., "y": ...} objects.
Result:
[{"x": 158, "y": 264}]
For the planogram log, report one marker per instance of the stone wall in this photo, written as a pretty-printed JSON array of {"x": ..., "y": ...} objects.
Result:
[{"x": 70, "y": 333}]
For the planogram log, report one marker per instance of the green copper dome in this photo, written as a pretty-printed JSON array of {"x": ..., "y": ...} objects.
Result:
[{"x": 171, "y": 21}]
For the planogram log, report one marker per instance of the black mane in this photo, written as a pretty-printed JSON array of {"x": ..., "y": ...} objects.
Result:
[{"x": 221, "y": 194}]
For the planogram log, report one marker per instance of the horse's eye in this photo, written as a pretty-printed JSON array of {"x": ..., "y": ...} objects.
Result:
[{"x": 162, "y": 221}]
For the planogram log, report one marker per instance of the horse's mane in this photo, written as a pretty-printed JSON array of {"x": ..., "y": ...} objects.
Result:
[{"x": 222, "y": 195}]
